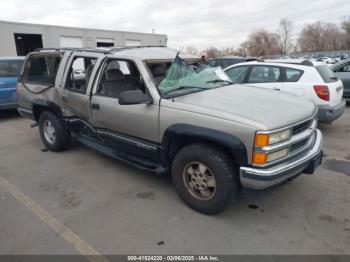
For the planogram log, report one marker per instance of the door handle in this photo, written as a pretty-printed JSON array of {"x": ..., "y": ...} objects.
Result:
[
  {"x": 277, "y": 89},
  {"x": 64, "y": 99},
  {"x": 95, "y": 106}
]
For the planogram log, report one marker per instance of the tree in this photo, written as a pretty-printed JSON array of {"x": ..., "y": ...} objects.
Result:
[
  {"x": 332, "y": 37},
  {"x": 310, "y": 39},
  {"x": 262, "y": 43},
  {"x": 345, "y": 25},
  {"x": 190, "y": 50},
  {"x": 319, "y": 36},
  {"x": 284, "y": 34},
  {"x": 213, "y": 52}
]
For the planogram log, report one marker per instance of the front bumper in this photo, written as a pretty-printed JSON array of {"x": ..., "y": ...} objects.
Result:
[
  {"x": 327, "y": 114},
  {"x": 261, "y": 178}
]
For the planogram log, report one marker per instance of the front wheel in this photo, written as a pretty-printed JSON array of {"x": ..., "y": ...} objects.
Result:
[
  {"x": 53, "y": 132},
  {"x": 204, "y": 177}
]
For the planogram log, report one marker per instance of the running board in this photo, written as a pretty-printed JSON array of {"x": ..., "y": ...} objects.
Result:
[{"x": 141, "y": 164}]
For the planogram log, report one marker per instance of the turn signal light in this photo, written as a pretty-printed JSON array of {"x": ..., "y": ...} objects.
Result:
[
  {"x": 262, "y": 140},
  {"x": 259, "y": 158},
  {"x": 322, "y": 92}
]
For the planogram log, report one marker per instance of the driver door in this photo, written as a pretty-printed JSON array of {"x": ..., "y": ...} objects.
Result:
[{"x": 133, "y": 122}]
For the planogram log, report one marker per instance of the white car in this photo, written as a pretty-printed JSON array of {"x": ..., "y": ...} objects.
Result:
[
  {"x": 329, "y": 61},
  {"x": 313, "y": 80}
]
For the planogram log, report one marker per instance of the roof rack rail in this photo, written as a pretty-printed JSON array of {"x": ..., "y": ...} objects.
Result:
[
  {"x": 94, "y": 50},
  {"x": 291, "y": 62},
  {"x": 121, "y": 48},
  {"x": 105, "y": 50}
]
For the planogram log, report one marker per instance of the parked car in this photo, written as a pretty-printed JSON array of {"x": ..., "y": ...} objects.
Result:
[
  {"x": 151, "y": 108},
  {"x": 224, "y": 62},
  {"x": 342, "y": 71},
  {"x": 312, "y": 80},
  {"x": 10, "y": 68},
  {"x": 327, "y": 60}
]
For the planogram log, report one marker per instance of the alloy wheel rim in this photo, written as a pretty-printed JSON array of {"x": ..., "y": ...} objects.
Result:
[
  {"x": 199, "y": 180},
  {"x": 49, "y": 132}
]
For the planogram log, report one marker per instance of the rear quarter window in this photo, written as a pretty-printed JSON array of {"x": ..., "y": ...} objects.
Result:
[
  {"x": 326, "y": 73},
  {"x": 293, "y": 75},
  {"x": 41, "y": 68}
]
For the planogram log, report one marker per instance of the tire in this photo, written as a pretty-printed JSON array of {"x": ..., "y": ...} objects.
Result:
[
  {"x": 186, "y": 169},
  {"x": 61, "y": 138}
]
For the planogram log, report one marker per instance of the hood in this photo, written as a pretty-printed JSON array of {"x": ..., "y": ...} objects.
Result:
[
  {"x": 249, "y": 105},
  {"x": 8, "y": 82}
]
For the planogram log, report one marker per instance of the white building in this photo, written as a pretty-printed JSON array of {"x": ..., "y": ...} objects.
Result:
[{"x": 21, "y": 38}]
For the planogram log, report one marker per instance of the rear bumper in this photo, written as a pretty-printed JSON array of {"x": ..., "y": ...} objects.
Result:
[
  {"x": 6, "y": 106},
  {"x": 327, "y": 113},
  {"x": 261, "y": 178},
  {"x": 25, "y": 112}
]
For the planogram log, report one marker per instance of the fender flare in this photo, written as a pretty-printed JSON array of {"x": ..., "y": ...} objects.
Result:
[
  {"x": 228, "y": 141},
  {"x": 51, "y": 106}
]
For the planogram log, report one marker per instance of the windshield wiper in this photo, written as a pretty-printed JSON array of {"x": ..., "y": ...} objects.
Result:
[
  {"x": 220, "y": 81},
  {"x": 184, "y": 88}
]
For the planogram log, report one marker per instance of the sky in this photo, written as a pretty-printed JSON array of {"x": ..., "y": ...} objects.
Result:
[{"x": 199, "y": 23}]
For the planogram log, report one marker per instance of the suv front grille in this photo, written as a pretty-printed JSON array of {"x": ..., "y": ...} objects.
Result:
[
  {"x": 301, "y": 127},
  {"x": 295, "y": 147}
]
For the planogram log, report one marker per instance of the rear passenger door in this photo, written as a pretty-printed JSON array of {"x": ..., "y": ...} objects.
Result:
[
  {"x": 77, "y": 85},
  {"x": 266, "y": 76}
]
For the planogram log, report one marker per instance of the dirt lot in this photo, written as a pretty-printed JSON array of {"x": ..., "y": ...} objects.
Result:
[{"x": 80, "y": 201}]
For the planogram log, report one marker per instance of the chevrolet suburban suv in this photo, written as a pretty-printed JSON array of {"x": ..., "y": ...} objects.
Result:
[{"x": 164, "y": 113}]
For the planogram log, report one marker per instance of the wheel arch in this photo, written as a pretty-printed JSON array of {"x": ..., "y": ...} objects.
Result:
[
  {"x": 180, "y": 135},
  {"x": 41, "y": 105}
]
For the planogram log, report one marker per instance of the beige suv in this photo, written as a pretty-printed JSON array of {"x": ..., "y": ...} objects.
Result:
[{"x": 167, "y": 113}]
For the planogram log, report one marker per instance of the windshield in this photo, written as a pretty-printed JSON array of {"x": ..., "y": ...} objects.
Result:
[
  {"x": 182, "y": 78},
  {"x": 10, "y": 68}
]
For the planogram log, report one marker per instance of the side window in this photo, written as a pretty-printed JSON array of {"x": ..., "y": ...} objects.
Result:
[
  {"x": 41, "y": 68},
  {"x": 237, "y": 74},
  {"x": 79, "y": 73},
  {"x": 119, "y": 76},
  {"x": 345, "y": 68},
  {"x": 293, "y": 75},
  {"x": 264, "y": 74}
]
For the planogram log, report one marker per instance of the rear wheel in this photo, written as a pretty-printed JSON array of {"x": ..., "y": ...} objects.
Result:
[
  {"x": 204, "y": 177},
  {"x": 53, "y": 132}
]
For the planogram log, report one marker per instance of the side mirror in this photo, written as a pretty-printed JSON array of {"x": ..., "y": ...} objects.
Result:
[{"x": 134, "y": 98}]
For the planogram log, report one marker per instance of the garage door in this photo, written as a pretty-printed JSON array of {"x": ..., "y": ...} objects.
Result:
[
  {"x": 67, "y": 41},
  {"x": 104, "y": 42},
  {"x": 130, "y": 42}
]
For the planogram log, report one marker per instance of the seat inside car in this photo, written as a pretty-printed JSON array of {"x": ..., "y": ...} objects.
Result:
[
  {"x": 158, "y": 72},
  {"x": 115, "y": 83}
]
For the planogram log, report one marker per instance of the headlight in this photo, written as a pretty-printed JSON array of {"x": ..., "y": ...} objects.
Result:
[
  {"x": 261, "y": 158},
  {"x": 262, "y": 140}
]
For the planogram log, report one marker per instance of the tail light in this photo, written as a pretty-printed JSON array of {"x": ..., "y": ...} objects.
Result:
[{"x": 322, "y": 92}]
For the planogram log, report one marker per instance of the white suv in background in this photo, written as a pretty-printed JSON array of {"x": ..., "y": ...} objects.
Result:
[{"x": 313, "y": 80}]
